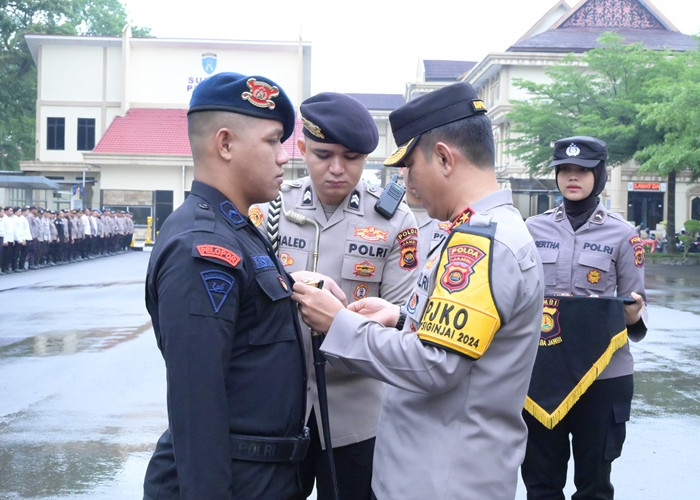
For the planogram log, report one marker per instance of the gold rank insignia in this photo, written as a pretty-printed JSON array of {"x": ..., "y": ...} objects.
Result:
[
  {"x": 255, "y": 215},
  {"x": 313, "y": 128},
  {"x": 398, "y": 155},
  {"x": 260, "y": 94}
]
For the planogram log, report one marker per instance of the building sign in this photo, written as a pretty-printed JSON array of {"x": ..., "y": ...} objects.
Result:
[
  {"x": 209, "y": 60},
  {"x": 647, "y": 186}
]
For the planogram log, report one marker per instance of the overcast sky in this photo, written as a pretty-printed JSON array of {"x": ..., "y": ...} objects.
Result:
[{"x": 369, "y": 45}]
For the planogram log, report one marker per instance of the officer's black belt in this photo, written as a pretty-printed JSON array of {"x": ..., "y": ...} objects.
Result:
[{"x": 269, "y": 449}]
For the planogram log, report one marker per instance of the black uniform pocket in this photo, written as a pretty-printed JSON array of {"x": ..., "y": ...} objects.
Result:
[
  {"x": 273, "y": 304},
  {"x": 617, "y": 431}
]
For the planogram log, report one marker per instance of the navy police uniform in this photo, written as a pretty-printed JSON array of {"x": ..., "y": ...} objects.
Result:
[
  {"x": 219, "y": 300},
  {"x": 586, "y": 251}
]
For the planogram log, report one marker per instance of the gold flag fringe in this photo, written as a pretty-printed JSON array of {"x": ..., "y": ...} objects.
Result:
[{"x": 549, "y": 420}]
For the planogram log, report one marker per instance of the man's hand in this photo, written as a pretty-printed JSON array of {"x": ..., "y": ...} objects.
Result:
[
  {"x": 633, "y": 312},
  {"x": 377, "y": 309},
  {"x": 328, "y": 283},
  {"x": 318, "y": 307}
]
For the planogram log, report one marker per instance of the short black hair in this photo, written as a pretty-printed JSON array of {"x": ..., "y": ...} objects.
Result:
[{"x": 473, "y": 136}]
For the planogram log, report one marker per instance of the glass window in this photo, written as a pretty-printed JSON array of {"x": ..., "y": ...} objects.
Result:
[
  {"x": 86, "y": 134},
  {"x": 55, "y": 133}
]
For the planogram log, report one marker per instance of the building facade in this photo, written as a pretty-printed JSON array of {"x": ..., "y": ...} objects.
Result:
[
  {"x": 641, "y": 198},
  {"x": 111, "y": 125}
]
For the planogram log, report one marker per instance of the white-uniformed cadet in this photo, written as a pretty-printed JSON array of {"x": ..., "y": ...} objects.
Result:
[
  {"x": 458, "y": 356},
  {"x": 365, "y": 253}
]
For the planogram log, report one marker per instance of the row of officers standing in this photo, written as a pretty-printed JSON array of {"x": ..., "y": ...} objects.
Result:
[
  {"x": 33, "y": 237},
  {"x": 432, "y": 312}
]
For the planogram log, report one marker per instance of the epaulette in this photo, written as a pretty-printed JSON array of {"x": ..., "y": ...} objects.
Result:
[
  {"x": 286, "y": 186},
  {"x": 373, "y": 190}
]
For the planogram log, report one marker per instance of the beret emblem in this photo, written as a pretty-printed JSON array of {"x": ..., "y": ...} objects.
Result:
[
  {"x": 260, "y": 94},
  {"x": 313, "y": 128},
  {"x": 573, "y": 150}
]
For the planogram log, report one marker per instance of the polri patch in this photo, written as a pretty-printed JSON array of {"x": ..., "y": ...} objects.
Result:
[
  {"x": 218, "y": 284},
  {"x": 217, "y": 252}
]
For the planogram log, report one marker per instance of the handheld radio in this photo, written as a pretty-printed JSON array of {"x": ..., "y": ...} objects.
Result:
[{"x": 391, "y": 197}]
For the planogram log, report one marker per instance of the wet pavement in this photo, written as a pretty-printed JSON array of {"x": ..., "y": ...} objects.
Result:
[{"x": 82, "y": 385}]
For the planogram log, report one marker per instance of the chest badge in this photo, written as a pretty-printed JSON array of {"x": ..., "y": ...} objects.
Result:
[
  {"x": 371, "y": 233},
  {"x": 364, "y": 269},
  {"x": 361, "y": 291},
  {"x": 593, "y": 276},
  {"x": 286, "y": 259}
]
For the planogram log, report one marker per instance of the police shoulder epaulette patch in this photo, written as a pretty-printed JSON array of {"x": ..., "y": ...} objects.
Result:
[
  {"x": 461, "y": 314},
  {"x": 373, "y": 190}
]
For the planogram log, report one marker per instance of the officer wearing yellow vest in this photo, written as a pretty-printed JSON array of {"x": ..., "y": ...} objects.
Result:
[
  {"x": 366, "y": 254},
  {"x": 457, "y": 357}
]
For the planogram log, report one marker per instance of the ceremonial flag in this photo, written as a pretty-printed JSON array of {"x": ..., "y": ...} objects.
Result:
[{"x": 579, "y": 336}]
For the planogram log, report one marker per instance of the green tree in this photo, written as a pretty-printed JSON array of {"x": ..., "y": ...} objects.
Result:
[
  {"x": 18, "y": 75},
  {"x": 620, "y": 93}
]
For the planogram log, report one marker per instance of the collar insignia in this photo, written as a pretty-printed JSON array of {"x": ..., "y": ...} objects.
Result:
[
  {"x": 354, "y": 200},
  {"x": 260, "y": 94},
  {"x": 306, "y": 198},
  {"x": 573, "y": 150},
  {"x": 230, "y": 212},
  {"x": 313, "y": 128},
  {"x": 463, "y": 218}
]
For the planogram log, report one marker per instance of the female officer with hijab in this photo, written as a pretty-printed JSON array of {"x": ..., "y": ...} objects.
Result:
[{"x": 586, "y": 251}]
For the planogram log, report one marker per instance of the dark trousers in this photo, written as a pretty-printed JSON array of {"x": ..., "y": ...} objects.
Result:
[
  {"x": 596, "y": 424},
  {"x": 8, "y": 256},
  {"x": 353, "y": 464}
]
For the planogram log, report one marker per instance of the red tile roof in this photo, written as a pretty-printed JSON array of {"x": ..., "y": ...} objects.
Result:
[
  {"x": 148, "y": 132},
  {"x": 154, "y": 131}
]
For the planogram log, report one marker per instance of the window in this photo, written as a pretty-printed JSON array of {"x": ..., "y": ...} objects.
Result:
[
  {"x": 55, "y": 133},
  {"x": 86, "y": 134}
]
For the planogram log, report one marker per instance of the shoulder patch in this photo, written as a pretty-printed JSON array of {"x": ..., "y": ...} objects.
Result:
[
  {"x": 219, "y": 253},
  {"x": 218, "y": 285},
  {"x": 638, "y": 247}
]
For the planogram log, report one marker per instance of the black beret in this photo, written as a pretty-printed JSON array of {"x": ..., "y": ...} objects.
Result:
[
  {"x": 580, "y": 150},
  {"x": 429, "y": 111},
  {"x": 248, "y": 95},
  {"x": 334, "y": 118}
]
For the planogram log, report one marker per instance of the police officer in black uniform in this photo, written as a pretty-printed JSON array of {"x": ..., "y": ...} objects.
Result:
[{"x": 219, "y": 300}]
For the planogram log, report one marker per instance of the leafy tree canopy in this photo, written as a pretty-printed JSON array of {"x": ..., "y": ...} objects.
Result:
[
  {"x": 18, "y": 75},
  {"x": 598, "y": 93}
]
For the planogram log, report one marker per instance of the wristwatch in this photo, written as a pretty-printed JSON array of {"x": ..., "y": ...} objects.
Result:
[{"x": 401, "y": 321}]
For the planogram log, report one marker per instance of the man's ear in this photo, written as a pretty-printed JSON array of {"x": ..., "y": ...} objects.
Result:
[
  {"x": 445, "y": 157},
  {"x": 301, "y": 144},
  {"x": 224, "y": 143}
]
